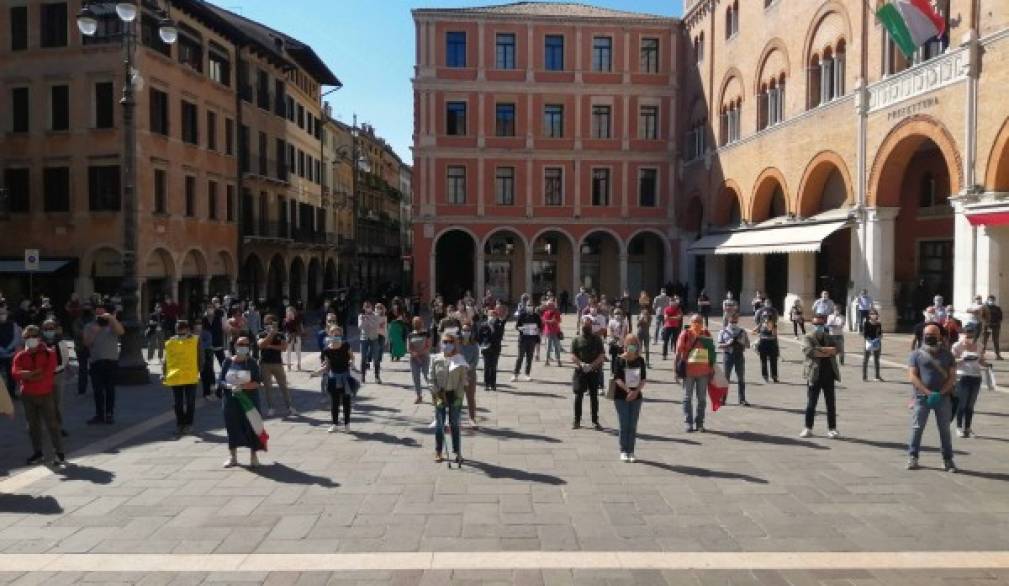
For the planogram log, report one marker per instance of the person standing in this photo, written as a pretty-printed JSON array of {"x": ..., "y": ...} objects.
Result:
[
  {"x": 581, "y": 300},
  {"x": 659, "y": 305},
  {"x": 205, "y": 350},
  {"x": 932, "y": 371},
  {"x": 470, "y": 350},
  {"x": 448, "y": 384},
  {"x": 378, "y": 348},
  {"x": 78, "y": 327},
  {"x": 552, "y": 330},
  {"x": 240, "y": 378},
  {"x": 824, "y": 305},
  {"x": 768, "y": 349},
  {"x": 872, "y": 331},
  {"x": 644, "y": 333},
  {"x": 182, "y": 373},
  {"x": 529, "y": 325},
  {"x": 253, "y": 322},
  {"x": 10, "y": 342},
  {"x": 795, "y": 314},
  {"x": 696, "y": 351},
  {"x": 864, "y": 302},
  {"x": 969, "y": 364},
  {"x": 835, "y": 328},
  {"x": 399, "y": 326},
  {"x": 34, "y": 369},
  {"x": 294, "y": 329},
  {"x": 336, "y": 358},
  {"x": 213, "y": 322},
  {"x": 672, "y": 322},
  {"x": 757, "y": 302},
  {"x": 820, "y": 372},
  {"x": 704, "y": 306},
  {"x": 588, "y": 356},
  {"x": 491, "y": 335},
  {"x": 630, "y": 376},
  {"x": 418, "y": 344},
  {"x": 729, "y": 307},
  {"x": 618, "y": 329},
  {"x": 102, "y": 340},
  {"x": 733, "y": 341},
  {"x": 272, "y": 344},
  {"x": 155, "y": 334},
  {"x": 994, "y": 327}
]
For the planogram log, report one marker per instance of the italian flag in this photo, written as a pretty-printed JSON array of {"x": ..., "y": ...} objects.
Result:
[
  {"x": 911, "y": 23},
  {"x": 255, "y": 419}
]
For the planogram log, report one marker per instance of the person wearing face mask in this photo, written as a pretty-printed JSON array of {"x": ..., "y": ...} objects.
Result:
[
  {"x": 336, "y": 358},
  {"x": 798, "y": 319},
  {"x": 102, "y": 340},
  {"x": 733, "y": 342},
  {"x": 240, "y": 378},
  {"x": 599, "y": 321},
  {"x": 617, "y": 329},
  {"x": 490, "y": 335},
  {"x": 379, "y": 347},
  {"x": 205, "y": 352},
  {"x": 695, "y": 363},
  {"x": 182, "y": 373},
  {"x": 992, "y": 328},
  {"x": 154, "y": 333},
  {"x": 272, "y": 343},
  {"x": 399, "y": 325},
  {"x": 320, "y": 342},
  {"x": 213, "y": 322},
  {"x": 630, "y": 375},
  {"x": 10, "y": 341},
  {"x": 821, "y": 372},
  {"x": 552, "y": 330},
  {"x": 470, "y": 350},
  {"x": 872, "y": 331},
  {"x": 835, "y": 329},
  {"x": 54, "y": 341},
  {"x": 928, "y": 318},
  {"x": 367, "y": 327},
  {"x": 588, "y": 356},
  {"x": 970, "y": 363},
  {"x": 529, "y": 325},
  {"x": 448, "y": 385},
  {"x": 932, "y": 372},
  {"x": 418, "y": 344},
  {"x": 294, "y": 329},
  {"x": 34, "y": 369},
  {"x": 768, "y": 349},
  {"x": 824, "y": 305},
  {"x": 729, "y": 307}
]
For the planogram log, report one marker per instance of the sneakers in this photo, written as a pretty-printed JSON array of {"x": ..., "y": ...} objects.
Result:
[
  {"x": 576, "y": 425},
  {"x": 700, "y": 428},
  {"x": 968, "y": 432},
  {"x": 434, "y": 423},
  {"x": 744, "y": 403},
  {"x": 514, "y": 378},
  {"x": 912, "y": 463},
  {"x": 333, "y": 428},
  {"x": 833, "y": 434},
  {"x": 378, "y": 379},
  {"x": 438, "y": 458},
  {"x": 631, "y": 459},
  {"x": 596, "y": 426},
  {"x": 806, "y": 432},
  {"x": 61, "y": 459},
  {"x": 35, "y": 458},
  {"x": 419, "y": 400},
  {"x": 688, "y": 428},
  {"x": 959, "y": 432},
  {"x": 231, "y": 462},
  {"x": 624, "y": 457},
  {"x": 527, "y": 379},
  {"x": 949, "y": 466},
  {"x": 292, "y": 412}
]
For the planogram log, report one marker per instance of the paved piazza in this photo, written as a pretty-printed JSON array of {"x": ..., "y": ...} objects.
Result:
[{"x": 537, "y": 503}]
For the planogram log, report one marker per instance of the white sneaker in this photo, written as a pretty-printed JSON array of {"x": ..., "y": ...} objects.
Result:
[
  {"x": 631, "y": 458},
  {"x": 806, "y": 432},
  {"x": 623, "y": 457},
  {"x": 959, "y": 432},
  {"x": 333, "y": 428},
  {"x": 269, "y": 412},
  {"x": 968, "y": 432},
  {"x": 231, "y": 463},
  {"x": 292, "y": 412},
  {"x": 526, "y": 378},
  {"x": 514, "y": 378},
  {"x": 433, "y": 424},
  {"x": 833, "y": 434}
]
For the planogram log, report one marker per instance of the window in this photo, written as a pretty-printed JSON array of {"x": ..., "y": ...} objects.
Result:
[
  {"x": 263, "y": 159},
  {"x": 291, "y": 110},
  {"x": 159, "y": 112},
  {"x": 104, "y": 188},
  {"x": 456, "y": 185},
  {"x": 229, "y": 136},
  {"x": 648, "y": 127},
  {"x": 190, "y": 48},
  {"x": 301, "y": 163},
  {"x": 219, "y": 65},
  {"x": 301, "y": 116},
  {"x": 732, "y": 20},
  {"x": 505, "y": 120},
  {"x": 928, "y": 196},
  {"x": 455, "y": 119},
  {"x": 694, "y": 146},
  {"x": 602, "y": 54},
  {"x": 262, "y": 89},
  {"x": 505, "y": 54},
  {"x": 160, "y": 191},
  {"x": 648, "y": 183},
  {"x": 699, "y": 48},
  {"x": 56, "y": 189},
  {"x": 18, "y": 184},
  {"x": 19, "y": 28},
  {"x": 553, "y": 188},
  {"x": 553, "y": 53},
  {"x": 771, "y": 104},
  {"x": 211, "y": 130},
  {"x": 59, "y": 107},
  {"x": 600, "y": 187},
  {"x": 455, "y": 49},
  {"x": 229, "y": 204},
  {"x": 649, "y": 55},
  {"x": 553, "y": 121},
  {"x": 190, "y": 124},
  {"x": 105, "y": 105},
  {"x": 504, "y": 186},
  {"x": 280, "y": 149},
  {"x": 53, "y": 25},
  {"x": 212, "y": 200},
  {"x": 190, "y": 196},
  {"x": 280, "y": 98},
  {"x": 600, "y": 122},
  {"x": 20, "y": 110},
  {"x": 149, "y": 35},
  {"x": 730, "y": 123}
]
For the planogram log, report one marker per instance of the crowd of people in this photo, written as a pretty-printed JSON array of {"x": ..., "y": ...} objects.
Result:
[{"x": 240, "y": 353}]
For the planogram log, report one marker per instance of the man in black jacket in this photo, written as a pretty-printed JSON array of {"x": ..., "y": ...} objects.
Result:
[
  {"x": 490, "y": 334},
  {"x": 530, "y": 325},
  {"x": 993, "y": 327}
]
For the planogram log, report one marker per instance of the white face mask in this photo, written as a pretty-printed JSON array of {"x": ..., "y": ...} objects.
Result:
[
  {"x": 242, "y": 350},
  {"x": 31, "y": 343}
]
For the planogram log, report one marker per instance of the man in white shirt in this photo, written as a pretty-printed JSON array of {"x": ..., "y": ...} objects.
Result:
[
  {"x": 835, "y": 329},
  {"x": 659, "y": 304},
  {"x": 823, "y": 305},
  {"x": 864, "y": 307},
  {"x": 733, "y": 342}
]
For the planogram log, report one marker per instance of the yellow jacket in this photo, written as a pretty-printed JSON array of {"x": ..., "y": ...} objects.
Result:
[{"x": 181, "y": 362}]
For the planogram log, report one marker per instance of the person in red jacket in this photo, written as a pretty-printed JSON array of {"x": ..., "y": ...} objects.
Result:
[{"x": 34, "y": 369}]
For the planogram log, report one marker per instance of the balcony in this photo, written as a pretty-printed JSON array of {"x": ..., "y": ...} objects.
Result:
[
  {"x": 262, "y": 170},
  {"x": 267, "y": 231}
]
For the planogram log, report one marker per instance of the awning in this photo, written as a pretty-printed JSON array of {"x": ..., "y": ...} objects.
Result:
[
  {"x": 8, "y": 267},
  {"x": 989, "y": 219},
  {"x": 781, "y": 238}
]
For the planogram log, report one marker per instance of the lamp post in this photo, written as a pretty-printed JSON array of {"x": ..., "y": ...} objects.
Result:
[{"x": 132, "y": 366}]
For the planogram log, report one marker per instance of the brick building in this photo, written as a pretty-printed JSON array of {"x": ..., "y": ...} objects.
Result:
[{"x": 544, "y": 152}]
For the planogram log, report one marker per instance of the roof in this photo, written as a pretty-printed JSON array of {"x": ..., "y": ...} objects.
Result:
[{"x": 547, "y": 9}]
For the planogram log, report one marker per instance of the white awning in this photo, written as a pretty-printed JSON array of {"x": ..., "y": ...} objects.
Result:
[{"x": 769, "y": 239}]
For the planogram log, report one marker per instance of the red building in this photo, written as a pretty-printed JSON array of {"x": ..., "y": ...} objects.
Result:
[{"x": 544, "y": 150}]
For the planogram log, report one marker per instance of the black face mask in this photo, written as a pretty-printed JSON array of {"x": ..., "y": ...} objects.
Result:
[{"x": 931, "y": 340}]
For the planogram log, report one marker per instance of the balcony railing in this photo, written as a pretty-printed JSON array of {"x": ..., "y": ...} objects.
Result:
[{"x": 272, "y": 230}]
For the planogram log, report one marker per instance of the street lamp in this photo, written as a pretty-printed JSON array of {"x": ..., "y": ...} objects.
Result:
[{"x": 132, "y": 366}]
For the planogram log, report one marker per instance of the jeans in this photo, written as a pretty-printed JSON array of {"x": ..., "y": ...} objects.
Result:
[
  {"x": 865, "y": 362},
  {"x": 669, "y": 336},
  {"x": 919, "y": 417},
  {"x": 83, "y": 367},
  {"x": 813, "y": 397},
  {"x": 797, "y": 325},
  {"x": 270, "y": 372},
  {"x": 967, "y": 389},
  {"x": 490, "y": 360},
  {"x": 695, "y": 387},
  {"x": 419, "y": 367},
  {"x": 736, "y": 361},
  {"x": 155, "y": 342},
  {"x": 992, "y": 330},
  {"x": 338, "y": 396},
  {"x": 769, "y": 360},
  {"x": 371, "y": 353},
  {"x": 527, "y": 345},
  {"x": 644, "y": 341},
  {"x": 450, "y": 410},
  {"x": 658, "y": 325},
  {"x": 41, "y": 411},
  {"x": 103, "y": 381},
  {"x": 185, "y": 404},
  {"x": 554, "y": 343},
  {"x": 863, "y": 314},
  {"x": 587, "y": 382},
  {"x": 628, "y": 413}
]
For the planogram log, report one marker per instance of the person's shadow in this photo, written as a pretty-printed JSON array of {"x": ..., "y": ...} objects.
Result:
[
  {"x": 278, "y": 472},
  {"x": 86, "y": 473},
  {"x": 502, "y": 472},
  {"x": 29, "y": 504},
  {"x": 703, "y": 472}
]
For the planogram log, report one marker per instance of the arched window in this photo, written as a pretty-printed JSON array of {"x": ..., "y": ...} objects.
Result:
[
  {"x": 731, "y": 119},
  {"x": 771, "y": 106},
  {"x": 732, "y": 20},
  {"x": 827, "y": 75},
  {"x": 813, "y": 82}
]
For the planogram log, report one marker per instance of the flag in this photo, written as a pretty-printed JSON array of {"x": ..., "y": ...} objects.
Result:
[
  {"x": 911, "y": 23},
  {"x": 254, "y": 418}
]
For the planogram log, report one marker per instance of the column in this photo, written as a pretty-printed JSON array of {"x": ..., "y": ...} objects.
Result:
[
  {"x": 623, "y": 272},
  {"x": 989, "y": 264},
  {"x": 528, "y": 270},
  {"x": 801, "y": 281},
  {"x": 432, "y": 285},
  {"x": 576, "y": 271},
  {"x": 965, "y": 259},
  {"x": 878, "y": 233},
  {"x": 753, "y": 279},
  {"x": 686, "y": 263},
  {"x": 206, "y": 286},
  {"x": 479, "y": 272},
  {"x": 714, "y": 280}
]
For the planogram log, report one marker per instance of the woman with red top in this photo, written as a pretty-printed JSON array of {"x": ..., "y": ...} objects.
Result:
[
  {"x": 672, "y": 321},
  {"x": 34, "y": 369},
  {"x": 552, "y": 330},
  {"x": 695, "y": 361}
]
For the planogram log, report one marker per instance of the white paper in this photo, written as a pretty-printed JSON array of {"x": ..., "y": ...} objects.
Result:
[{"x": 632, "y": 378}]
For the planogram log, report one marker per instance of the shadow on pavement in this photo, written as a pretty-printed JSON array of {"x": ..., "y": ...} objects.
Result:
[
  {"x": 703, "y": 472},
  {"x": 657, "y": 438},
  {"x": 763, "y": 438},
  {"x": 512, "y": 434},
  {"x": 384, "y": 438},
  {"x": 988, "y": 475},
  {"x": 86, "y": 473},
  {"x": 902, "y": 446},
  {"x": 501, "y": 472},
  {"x": 29, "y": 504},
  {"x": 501, "y": 389},
  {"x": 780, "y": 409},
  {"x": 278, "y": 472}
]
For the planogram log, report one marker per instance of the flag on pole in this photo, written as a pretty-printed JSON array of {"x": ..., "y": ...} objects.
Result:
[
  {"x": 911, "y": 23},
  {"x": 255, "y": 419}
]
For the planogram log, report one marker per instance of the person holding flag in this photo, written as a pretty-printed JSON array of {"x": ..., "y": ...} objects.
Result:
[{"x": 240, "y": 377}]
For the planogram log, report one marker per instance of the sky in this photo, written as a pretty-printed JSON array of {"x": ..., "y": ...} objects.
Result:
[{"x": 369, "y": 45}]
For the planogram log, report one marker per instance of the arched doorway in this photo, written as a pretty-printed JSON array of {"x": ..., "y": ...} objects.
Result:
[
  {"x": 159, "y": 270},
  {"x": 221, "y": 271},
  {"x": 329, "y": 279},
  {"x": 504, "y": 265},
  {"x": 252, "y": 277},
  {"x": 646, "y": 265},
  {"x": 314, "y": 278},
  {"x": 600, "y": 264},
  {"x": 454, "y": 262},
  {"x": 295, "y": 285},
  {"x": 552, "y": 264},
  {"x": 107, "y": 271},
  {"x": 770, "y": 206},
  {"x": 729, "y": 214},
  {"x": 276, "y": 279},
  {"x": 191, "y": 285}
]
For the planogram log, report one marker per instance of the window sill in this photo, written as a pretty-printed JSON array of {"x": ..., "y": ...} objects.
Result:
[{"x": 53, "y": 133}]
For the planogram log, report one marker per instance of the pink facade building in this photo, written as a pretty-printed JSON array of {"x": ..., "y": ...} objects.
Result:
[{"x": 544, "y": 150}]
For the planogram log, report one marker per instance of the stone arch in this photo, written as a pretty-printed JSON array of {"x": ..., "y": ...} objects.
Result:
[
  {"x": 330, "y": 275},
  {"x": 558, "y": 230},
  {"x": 159, "y": 264},
  {"x": 732, "y": 75},
  {"x": 252, "y": 276},
  {"x": 815, "y": 177},
  {"x": 829, "y": 25},
  {"x": 296, "y": 279},
  {"x": 611, "y": 232},
  {"x": 653, "y": 267},
  {"x": 453, "y": 271},
  {"x": 997, "y": 175},
  {"x": 729, "y": 196},
  {"x": 667, "y": 246},
  {"x": 227, "y": 262},
  {"x": 477, "y": 241},
  {"x": 192, "y": 263},
  {"x": 600, "y": 251},
  {"x": 896, "y": 151},
  {"x": 103, "y": 254},
  {"x": 553, "y": 267},
  {"x": 314, "y": 279},
  {"x": 276, "y": 277},
  {"x": 772, "y": 63},
  {"x": 510, "y": 229},
  {"x": 763, "y": 193}
]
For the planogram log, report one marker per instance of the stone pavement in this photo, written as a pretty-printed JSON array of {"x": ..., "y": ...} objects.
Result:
[{"x": 531, "y": 484}]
